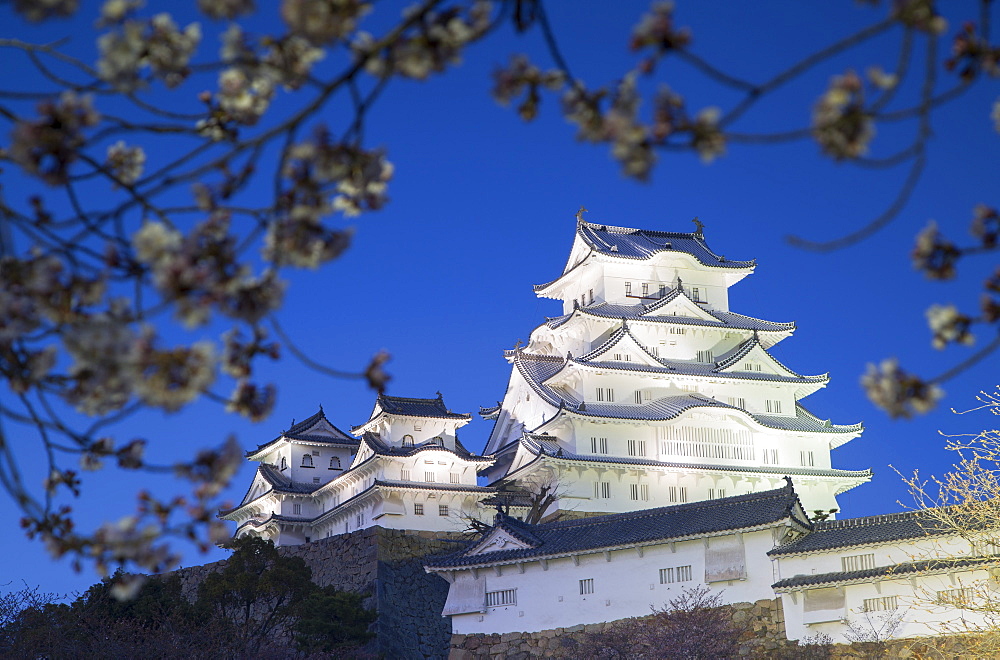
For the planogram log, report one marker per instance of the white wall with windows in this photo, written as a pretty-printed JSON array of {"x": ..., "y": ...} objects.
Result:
[{"x": 598, "y": 587}]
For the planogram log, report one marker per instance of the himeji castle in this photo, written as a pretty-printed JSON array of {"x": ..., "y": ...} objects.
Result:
[
  {"x": 676, "y": 446},
  {"x": 649, "y": 391}
]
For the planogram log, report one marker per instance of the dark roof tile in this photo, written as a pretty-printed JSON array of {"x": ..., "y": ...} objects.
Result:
[{"x": 635, "y": 528}]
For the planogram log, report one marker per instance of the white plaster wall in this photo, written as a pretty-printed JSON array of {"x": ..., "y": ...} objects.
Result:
[
  {"x": 886, "y": 554},
  {"x": 624, "y": 586},
  {"x": 918, "y": 613}
]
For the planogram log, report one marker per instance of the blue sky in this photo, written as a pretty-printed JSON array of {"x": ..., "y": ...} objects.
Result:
[{"x": 483, "y": 207}]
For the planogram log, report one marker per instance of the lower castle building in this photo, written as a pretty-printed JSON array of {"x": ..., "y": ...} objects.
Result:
[{"x": 675, "y": 451}]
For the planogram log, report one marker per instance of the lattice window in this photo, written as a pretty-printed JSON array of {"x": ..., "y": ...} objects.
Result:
[
  {"x": 418, "y": 509},
  {"x": 684, "y": 573},
  {"x": 667, "y": 576},
  {"x": 772, "y": 405},
  {"x": 880, "y": 604},
  {"x": 586, "y": 586},
  {"x": 960, "y": 597},
  {"x": 404, "y": 475},
  {"x": 639, "y": 492},
  {"x": 602, "y": 490},
  {"x": 636, "y": 447},
  {"x": 455, "y": 477},
  {"x": 606, "y": 394},
  {"x": 701, "y": 442},
  {"x": 807, "y": 458},
  {"x": 858, "y": 562},
  {"x": 297, "y": 509},
  {"x": 501, "y": 598},
  {"x": 443, "y": 510},
  {"x": 771, "y": 456},
  {"x": 429, "y": 477},
  {"x": 598, "y": 445},
  {"x": 705, "y": 356}
]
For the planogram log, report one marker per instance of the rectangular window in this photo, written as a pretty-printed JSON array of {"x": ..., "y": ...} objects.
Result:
[
  {"x": 645, "y": 289},
  {"x": 683, "y": 493},
  {"x": 602, "y": 490},
  {"x": 806, "y": 458},
  {"x": 738, "y": 401},
  {"x": 315, "y": 480},
  {"x": 296, "y": 509},
  {"x": 696, "y": 294},
  {"x": 684, "y": 573},
  {"x": 881, "y": 604},
  {"x": 418, "y": 427},
  {"x": 636, "y": 447},
  {"x": 960, "y": 597},
  {"x": 667, "y": 576},
  {"x": 672, "y": 493},
  {"x": 315, "y": 452},
  {"x": 663, "y": 290},
  {"x": 404, "y": 475},
  {"x": 418, "y": 509},
  {"x": 655, "y": 350},
  {"x": 771, "y": 456},
  {"x": 591, "y": 296},
  {"x": 598, "y": 445},
  {"x": 429, "y": 477},
  {"x": 628, "y": 288},
  {"x": 639, "y": 492},
  {"x": 773, "y": 406},
  {"x": 858, "y": 562},
  {"x": 705, "y": 356},
  {"x": 638, "y": 396},
  {"x": 455, "y": 478},
  {"x": 442, "y": 509},
  {"x": 618, "y": 357},
  {"x": 501, "y": 598},
  {"x": 586, "y": 586},
  {"x": 605, "y": 394}
]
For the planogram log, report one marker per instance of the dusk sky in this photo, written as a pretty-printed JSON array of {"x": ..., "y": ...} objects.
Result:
[{"x": 482, "y": 207}]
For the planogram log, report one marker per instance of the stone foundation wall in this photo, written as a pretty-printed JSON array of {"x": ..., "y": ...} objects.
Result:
[
  {"x": 764, "y": 620},
  {"x": 386, "y": 564}
]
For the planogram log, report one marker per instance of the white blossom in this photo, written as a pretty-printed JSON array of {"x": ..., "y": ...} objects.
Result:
[{"x": 127, "y": 163}]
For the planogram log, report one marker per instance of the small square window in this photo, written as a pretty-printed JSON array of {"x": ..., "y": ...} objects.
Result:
[
  {"x": 586, "y": 586},
  {"x": 418, "y": 509},
  {"x": 442, "y": 509}
]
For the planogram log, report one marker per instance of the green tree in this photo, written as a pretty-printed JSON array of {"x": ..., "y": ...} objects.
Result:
[
  {"x": 330, "y": 620},
  {"x": 258, "y": 591}
]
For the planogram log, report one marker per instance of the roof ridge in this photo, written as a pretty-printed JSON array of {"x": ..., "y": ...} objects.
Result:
[
  {"x": 655, "y": 512},
  {"x": 862, "y": 521}
]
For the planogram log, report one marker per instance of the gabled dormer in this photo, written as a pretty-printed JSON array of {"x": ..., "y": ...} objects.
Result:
[
  {"x": 506, "y": 534},
  {"x": 751, "y": 357},
  {"x": 679, "y": 302},
  {"x": 409, "y": 422},
  {"x": 622, "y": 346}
]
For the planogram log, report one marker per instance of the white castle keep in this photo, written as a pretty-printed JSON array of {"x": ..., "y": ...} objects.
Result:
[{"x": 676, "y": 446}]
